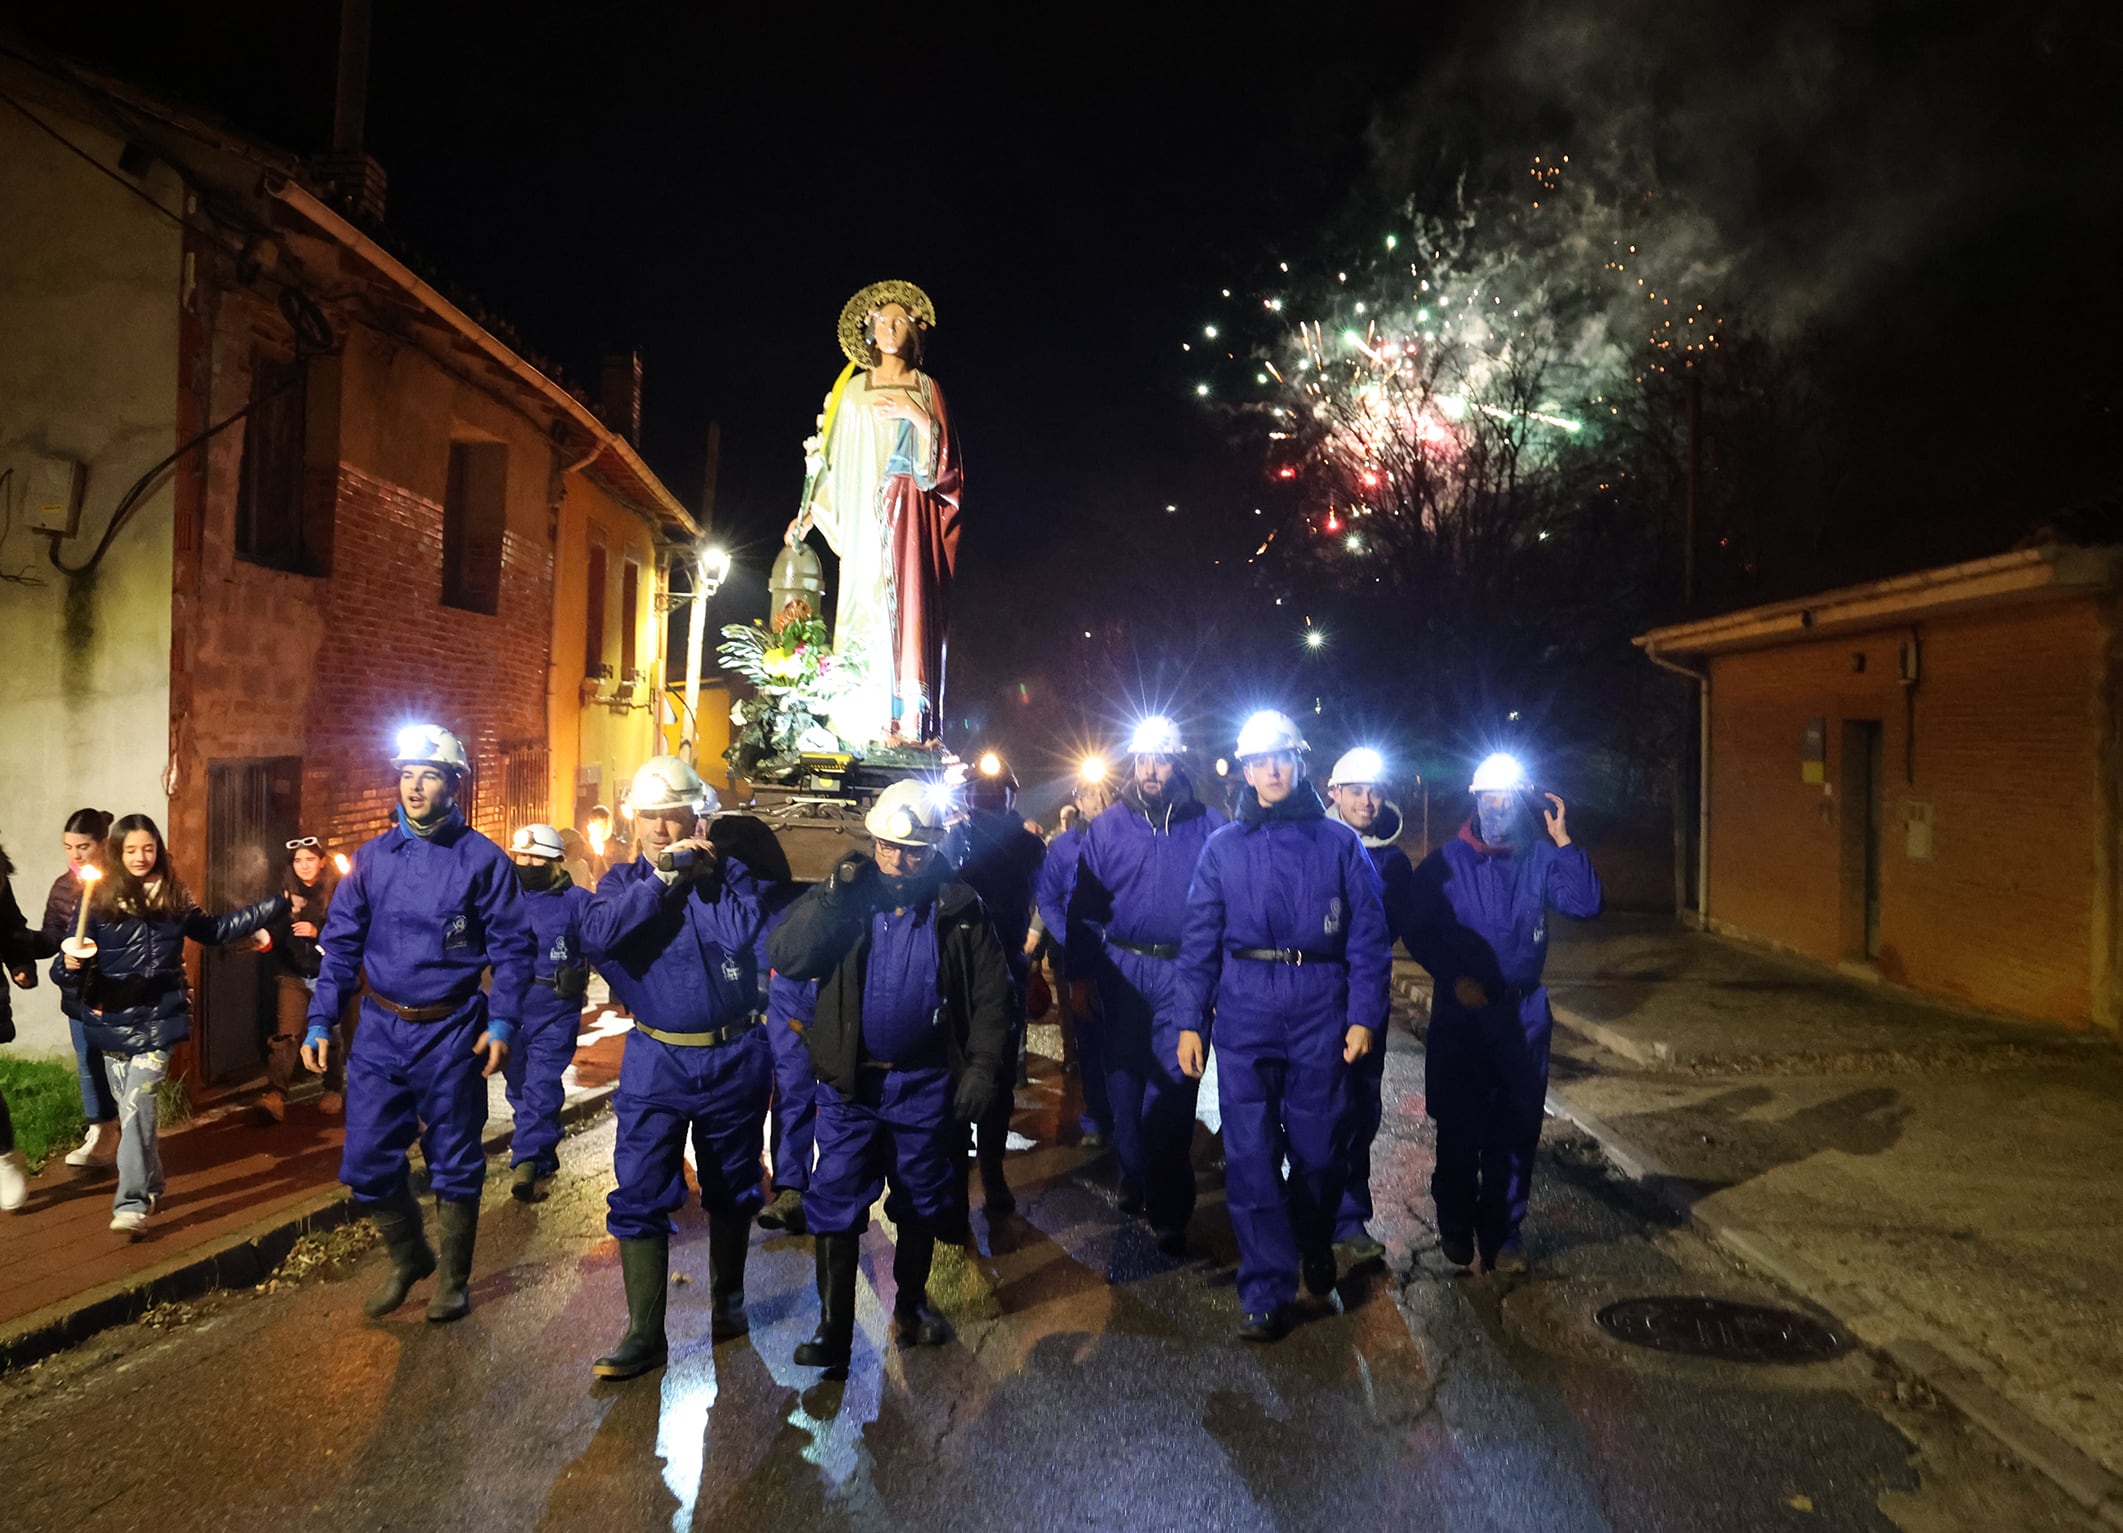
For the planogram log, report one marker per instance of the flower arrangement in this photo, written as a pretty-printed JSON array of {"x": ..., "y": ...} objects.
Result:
[{"x": 796, "y": 676}]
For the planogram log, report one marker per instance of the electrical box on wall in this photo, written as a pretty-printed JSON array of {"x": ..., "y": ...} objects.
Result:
[
  {"x": 1916, "y": 819},
  {"x": 52, "y": 495}
]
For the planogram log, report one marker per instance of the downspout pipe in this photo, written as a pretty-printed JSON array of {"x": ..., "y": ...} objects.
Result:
[{"x": 1702, "y": 791}]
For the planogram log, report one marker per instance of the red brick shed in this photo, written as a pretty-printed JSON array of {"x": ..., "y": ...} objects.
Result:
[{"x": 1918, "y": 779}]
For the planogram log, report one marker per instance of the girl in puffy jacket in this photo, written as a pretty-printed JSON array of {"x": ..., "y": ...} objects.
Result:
[{"x": 132, "y": 992}]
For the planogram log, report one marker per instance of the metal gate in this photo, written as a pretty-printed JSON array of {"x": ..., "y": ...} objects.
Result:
[{"x": 253, "y": 809}]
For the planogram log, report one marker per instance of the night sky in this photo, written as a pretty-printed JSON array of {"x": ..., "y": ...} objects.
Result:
[{"x": 1928, "y": 187}]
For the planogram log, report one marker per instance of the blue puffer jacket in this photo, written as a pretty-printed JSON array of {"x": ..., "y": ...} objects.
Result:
[
  {"x": 1285, "y": 876},
  {"x": 133, "y": 994}
]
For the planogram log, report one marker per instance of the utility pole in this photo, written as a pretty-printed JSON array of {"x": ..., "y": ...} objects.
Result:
[{"x": 705, "y": 580}]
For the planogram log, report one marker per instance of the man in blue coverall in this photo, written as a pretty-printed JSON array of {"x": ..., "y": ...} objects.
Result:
[
  {"x": 678, "y": 934},
  {"x": 1479, "y": 924},
  {"x": 1057, "y": 876},
  {"x": 908, "y": 1040},
  {"x": 552, "y": 1016},
  {"x": 1126, "y": 911},
  {"x": 427, "y": 908},
  {"x": 1286, "y": 949},
  {"x": 1356, "y": 796}
]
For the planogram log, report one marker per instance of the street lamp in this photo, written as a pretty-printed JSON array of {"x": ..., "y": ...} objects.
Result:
[{"x": 710, "y": 571}]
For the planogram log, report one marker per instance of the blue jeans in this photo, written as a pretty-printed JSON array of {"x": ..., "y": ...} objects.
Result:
[
  {"x": 96, "y": 1100},
  {"x": 133, "y": 1079}
]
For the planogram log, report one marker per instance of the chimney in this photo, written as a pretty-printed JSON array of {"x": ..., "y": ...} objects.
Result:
[
  {"x": 619, "y": 400},
  {"x": 347, "y": 175}
]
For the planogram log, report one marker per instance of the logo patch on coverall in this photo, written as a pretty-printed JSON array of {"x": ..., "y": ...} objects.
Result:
[
  {"x": 732, "y": 970},
  {"x": 1334, "y": 916},
  {"x": 559, "y": 952},
  {"x": 457, "y": 933}
]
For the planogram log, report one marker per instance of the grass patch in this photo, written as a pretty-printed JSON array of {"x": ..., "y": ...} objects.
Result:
[{"x": 44, "y": 1099}]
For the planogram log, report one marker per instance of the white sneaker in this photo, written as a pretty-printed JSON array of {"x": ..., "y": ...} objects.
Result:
[
  {"x": 132, "y": 1221},
  {"x": 14, "y": 1181},
  {"x": 100, "y": 1148}
]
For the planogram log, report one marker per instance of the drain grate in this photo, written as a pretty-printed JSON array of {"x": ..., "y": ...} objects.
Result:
[{"x": 1721, "y": 1329}]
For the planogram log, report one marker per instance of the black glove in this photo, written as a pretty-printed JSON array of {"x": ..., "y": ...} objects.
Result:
[
  {"x": 854, "y": 874},
  {"x": 976, "y": 1093}
]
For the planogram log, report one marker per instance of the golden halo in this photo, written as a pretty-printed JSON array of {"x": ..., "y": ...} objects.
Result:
[{"x": 855, "y": 316}]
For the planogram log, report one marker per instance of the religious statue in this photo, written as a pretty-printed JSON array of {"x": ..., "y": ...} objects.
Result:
[{"x": 883, "y": 484}]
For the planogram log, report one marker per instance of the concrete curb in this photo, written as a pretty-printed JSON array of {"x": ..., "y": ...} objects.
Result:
[
  {"x": 1952, "y": 1373},
  {"x": 241, "y": 1259}
]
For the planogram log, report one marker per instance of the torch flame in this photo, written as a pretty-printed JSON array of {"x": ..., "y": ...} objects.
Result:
[
  {"x": 343, "y": 863},
  {"x": 88, "y": 872},
  {"x": 599, "y": 831}
]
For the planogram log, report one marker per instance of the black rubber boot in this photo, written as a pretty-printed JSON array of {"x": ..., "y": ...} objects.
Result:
[
  {"x": 458, "y": 1227},
  {"x": 917, "y": 1324},
  {"x": 833, "y": 1343},
  {"x": 1320, "y": 1273},
  {"x": 729, "y": 1238},
  {"x": 1268, "y": 1327},
  {"x": 784, "y": 1213},
  {"x": 645, "y": 1268},
  {"x": 398, "y": 1222}
]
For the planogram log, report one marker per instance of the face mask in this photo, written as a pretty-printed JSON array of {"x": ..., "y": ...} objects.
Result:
[
  {"x": 1499, "y": 825},
  {"x": 536, "y": 876}
]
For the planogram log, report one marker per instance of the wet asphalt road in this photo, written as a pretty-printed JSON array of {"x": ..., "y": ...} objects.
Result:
[{"x": 1093, "y": 1385}]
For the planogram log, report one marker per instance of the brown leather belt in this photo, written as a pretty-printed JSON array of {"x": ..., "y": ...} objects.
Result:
[{"x": 415, "y": 1013}]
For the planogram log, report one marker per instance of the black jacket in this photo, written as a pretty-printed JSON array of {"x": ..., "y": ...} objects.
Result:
[
  {"x": 21, "y": 945},
  {"x": 298, "y": 955},
  {"x": 1001, "y": 860},
  {"x": 133, "y": 991},
  {"x": 826, "y": 937}
]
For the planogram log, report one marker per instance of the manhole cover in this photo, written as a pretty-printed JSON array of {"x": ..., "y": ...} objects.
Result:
[{"x": 1719, "y": 1328}]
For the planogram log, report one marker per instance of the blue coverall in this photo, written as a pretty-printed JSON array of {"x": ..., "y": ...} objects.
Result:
[
  {"x": 1056, "y": 876},
  {"x": 1367, "y": 1084},
  {"x": 1284, "y": 877},
  {"x": 899, "y": 1122},
  {"x": 795, "y": 1086},
  {"x": 423, "y": 917},
  {"x": 1126, "y": 911},
  {"x": 552, "y": 1015},
  {"x": 684, "y": 960},
  {"x": 1481, "y": 912}
]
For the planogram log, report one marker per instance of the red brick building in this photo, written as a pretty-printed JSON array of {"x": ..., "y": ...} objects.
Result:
[
  {"x": 1919, "y": 779},
  {"x": 355, "y": 521}
]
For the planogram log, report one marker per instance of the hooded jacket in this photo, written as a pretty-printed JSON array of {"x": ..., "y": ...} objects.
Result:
[
  {"x": 1133, "y": 870},
  {"x": 298, "y": 955},
  {"x": 826, "y": 937},
  {"x": 133, "y": 994},
  {"x": 1001, "y": 861},
  {"x": 1396, "y": 873},
  {"x": 1286, "y": 876}
]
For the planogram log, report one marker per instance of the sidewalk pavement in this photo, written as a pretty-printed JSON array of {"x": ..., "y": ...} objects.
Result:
[
  {"x": 1943, "y": 1182},
  {"x": 241, "y": 1191}
]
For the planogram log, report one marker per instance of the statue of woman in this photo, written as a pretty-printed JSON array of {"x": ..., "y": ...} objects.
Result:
[{"x": 883, "y": 486}]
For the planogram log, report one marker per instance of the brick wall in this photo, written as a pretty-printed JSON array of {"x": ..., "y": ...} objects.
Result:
[{"x": 2007, "y": 726}]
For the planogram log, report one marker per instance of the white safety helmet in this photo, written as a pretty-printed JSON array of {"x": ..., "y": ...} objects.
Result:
[
  {"x": 430, "y": 745},
  {"x": 538, "y": 841},
  {"x": 1500, "y": 773},
  {"x": 1155, "y": 736},
  {"x": 1360, "y": 766},
  {"x": 1267, "y": 732},
  {"x": 911, "y": 813},
  {"x": 665, "y": 782}
]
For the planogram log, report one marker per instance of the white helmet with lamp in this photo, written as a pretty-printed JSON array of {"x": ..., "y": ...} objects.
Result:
[
  {"x": 1156, "y": 736},
  {"x": 1500, "y": 773},
  {"x": 541, "y": 841},
  {"x": 911, "y": 813},
  {"x": 1362, "y": 767},
  {"x": 666, "y": 782},
  {"x": 1268, "y": 732},
  {"x": 430, "y": 745}
]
